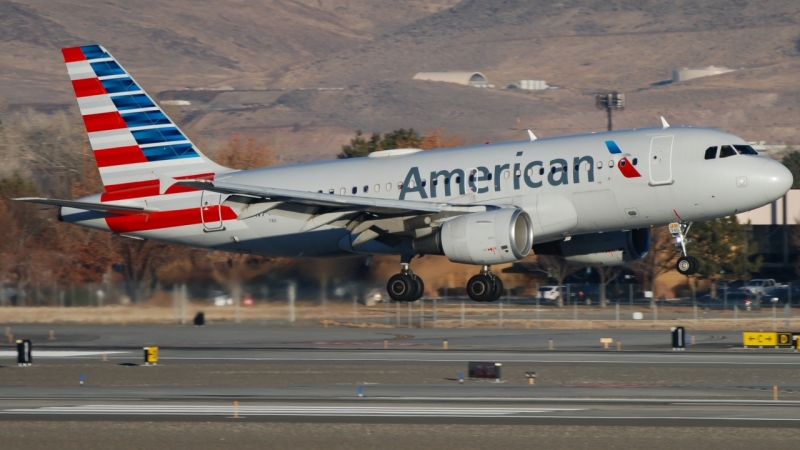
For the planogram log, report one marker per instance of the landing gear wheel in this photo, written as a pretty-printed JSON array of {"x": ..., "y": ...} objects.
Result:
[
  {"x": 480, "y": 288},
  {"x": 402, "y": 287},
  {"x": 419, "y": 288},
  {"x": 687, "y": 265},
  {"x": 498, "y": 290}
]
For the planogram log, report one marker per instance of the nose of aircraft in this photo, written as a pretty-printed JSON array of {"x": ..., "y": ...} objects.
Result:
[{"x": 775, "y": 179}]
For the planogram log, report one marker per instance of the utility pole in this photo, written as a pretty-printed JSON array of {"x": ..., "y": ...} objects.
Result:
[{"x": 610, "y": 101}]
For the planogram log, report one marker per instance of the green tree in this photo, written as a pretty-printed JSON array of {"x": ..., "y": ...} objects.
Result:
[
  {"x": 724, "y": 249},
  {"x": 399, "y": 138},
  {"x": 360, "y": 147},
  {"x": 792, "y": 162}
]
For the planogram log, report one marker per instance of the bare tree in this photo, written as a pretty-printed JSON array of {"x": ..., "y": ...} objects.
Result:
[
  {"x": 607, "y": 274},
  {"x": 661, "y": 257},
  {"x": 555, "y": 267}
]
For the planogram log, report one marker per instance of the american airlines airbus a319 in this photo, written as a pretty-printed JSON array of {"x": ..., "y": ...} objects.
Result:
[{"x": 591, "y": 198}]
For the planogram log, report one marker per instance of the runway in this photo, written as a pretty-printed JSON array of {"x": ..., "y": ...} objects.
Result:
[{"x": 286, "y": 379}]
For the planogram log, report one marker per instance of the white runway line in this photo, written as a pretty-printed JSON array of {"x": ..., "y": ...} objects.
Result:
[
  {"x": 319, "y": 411},
  {"x": 58, "y": 353},
  {"x": 504, "y": 358}
]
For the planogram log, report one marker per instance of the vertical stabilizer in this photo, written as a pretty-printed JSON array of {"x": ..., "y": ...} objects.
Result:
[{"x": 138, "y": 149}]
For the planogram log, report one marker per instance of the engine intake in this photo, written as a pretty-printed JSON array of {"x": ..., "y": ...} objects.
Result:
[
  {"x": 491, "y": 237},
  {"x": 602, "y": 249}
]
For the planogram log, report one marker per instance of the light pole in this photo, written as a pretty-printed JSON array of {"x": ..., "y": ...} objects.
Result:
[{"x": 610, "y": 101}]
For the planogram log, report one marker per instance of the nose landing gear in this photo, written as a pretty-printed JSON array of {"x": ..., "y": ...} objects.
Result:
[
  {"x": 405, "y": 286},
  {"x": 485, "y": 286},
  {"x": 686, "y": 265}
]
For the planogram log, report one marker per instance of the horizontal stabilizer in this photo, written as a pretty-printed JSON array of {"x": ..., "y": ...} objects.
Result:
[{"x": 102, "y": 207}]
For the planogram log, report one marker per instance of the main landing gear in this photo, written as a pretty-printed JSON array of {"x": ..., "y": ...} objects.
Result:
[
  {"x": 485, "y": 286},
  {"x": 686, "y": 265},
  {"x": 405, "y": 286},
  {"x": 408, "y": 287}
]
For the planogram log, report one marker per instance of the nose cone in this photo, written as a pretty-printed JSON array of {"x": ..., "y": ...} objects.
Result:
[{"x": 776, "y": 180}]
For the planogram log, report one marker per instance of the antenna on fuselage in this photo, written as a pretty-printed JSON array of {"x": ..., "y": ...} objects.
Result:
[
  {"x": 664, "y": 123},
  {"x": 532, "y": 136}
]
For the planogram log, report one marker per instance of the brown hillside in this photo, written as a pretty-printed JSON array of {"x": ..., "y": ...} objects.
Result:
[{"x": 372, "y": 49}]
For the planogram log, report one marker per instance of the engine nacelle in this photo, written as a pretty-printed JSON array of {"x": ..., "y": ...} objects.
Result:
[
  {"x": 491, "y": 237},
  {"x": 600, "y": 249}
]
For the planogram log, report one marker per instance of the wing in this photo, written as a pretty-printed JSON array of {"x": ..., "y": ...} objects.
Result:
[
  {"x": 328, "y": 201},
  {"x": 102, "y": 207},
  {"x": 385, "y": 220}
]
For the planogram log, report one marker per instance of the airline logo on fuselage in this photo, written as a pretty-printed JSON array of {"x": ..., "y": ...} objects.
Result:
[
  {"x": 625, "y": 167},
  {"x": 481, "y": 179}
]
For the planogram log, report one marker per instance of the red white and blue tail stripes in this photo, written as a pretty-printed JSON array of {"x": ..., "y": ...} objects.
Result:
[{"x": 135, "y": 144}]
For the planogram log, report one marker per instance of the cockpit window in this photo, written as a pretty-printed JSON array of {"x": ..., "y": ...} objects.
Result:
[
  {"x": 726, "y": 150},
  {"x": 745, "y": 150},
  {"x": 711, "y": 152}
]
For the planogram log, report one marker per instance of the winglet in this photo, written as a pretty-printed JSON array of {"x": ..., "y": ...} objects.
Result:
[
  {"x": 532, "y": 136},
  {"x": 664, "y": 123}
]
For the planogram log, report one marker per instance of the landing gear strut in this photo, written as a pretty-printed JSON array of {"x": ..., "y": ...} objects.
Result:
[
  {"x": 686, "y": 265},
  {"x": 485, "y": 286},
  {"x": 405, "y": 286}
]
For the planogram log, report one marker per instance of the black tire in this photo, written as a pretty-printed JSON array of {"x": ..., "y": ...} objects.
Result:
[
  {"x": 401, "y": 287},
  {"x": 684, "y": 266},
  {"x": 498, "y": 290},
  {"x": 419, "y": 288},
  {"x": 695, "y": 264},
  {"x": 480, "y": 288}
]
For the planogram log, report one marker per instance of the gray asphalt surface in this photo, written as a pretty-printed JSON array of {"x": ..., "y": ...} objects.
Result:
[
  {"x": 248, "y": 336},
  {"x": 286, "y": 379}
]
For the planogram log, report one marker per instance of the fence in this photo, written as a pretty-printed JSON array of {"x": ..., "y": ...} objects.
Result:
[{"x": 357, "y": 308}]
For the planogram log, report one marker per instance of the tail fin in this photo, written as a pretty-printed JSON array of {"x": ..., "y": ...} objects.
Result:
[{"x": 138, "y": 149}]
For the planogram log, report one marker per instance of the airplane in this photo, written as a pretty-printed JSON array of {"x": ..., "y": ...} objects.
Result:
[{"x": 591, "y": 198}]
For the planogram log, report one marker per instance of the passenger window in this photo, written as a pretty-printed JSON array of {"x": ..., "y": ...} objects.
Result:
[
  {"x": 377, "y": 188},
  {"x": 366, "y": 189},
  {"x": 599, "y": 164},
  {"x": 506, "y": 174},
  {"x": 711, "y": 152},
  {"x": 388, "y": 186},
  {"x": 400, "y": 185},
  {"x": 725, "y": 151},
  {"x": 635, "y": 161},
  {"x": 577, "y": 167},
  {"x": 745, "y": 150},
  {"x": 518, "y": 173},
  {"x": 342, "y": 191},
  {"x": 330, "y": 191},
  {"x": 355, "y": 190},
  {"x": 541, "y": 171}
]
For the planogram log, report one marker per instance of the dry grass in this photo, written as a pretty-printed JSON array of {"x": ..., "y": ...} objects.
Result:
[{"x": 344, "y": 315}]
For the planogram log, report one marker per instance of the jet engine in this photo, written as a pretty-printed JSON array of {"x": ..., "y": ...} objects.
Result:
[
  {"x": 491, "y": 237},
  {"x": 602, "y": 249}
]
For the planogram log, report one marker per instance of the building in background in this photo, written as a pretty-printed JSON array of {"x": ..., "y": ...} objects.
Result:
[
  {"x": 475, "y": 79},
  {"x": 774, "y": 227},
  {"x": 685, "y": 74}
]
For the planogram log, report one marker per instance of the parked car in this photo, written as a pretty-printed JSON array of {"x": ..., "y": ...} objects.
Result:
[
  {"x": 550, "y": 292},
  {"x": 759, "y": 286},
  {"x": 780, "y": 295},
  {"x": 743, "y": 300},
  {"x": 578, "y": 293}
]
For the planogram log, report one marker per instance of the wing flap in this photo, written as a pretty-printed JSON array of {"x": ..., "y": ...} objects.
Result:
[{"x": 376, "y": 205}]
